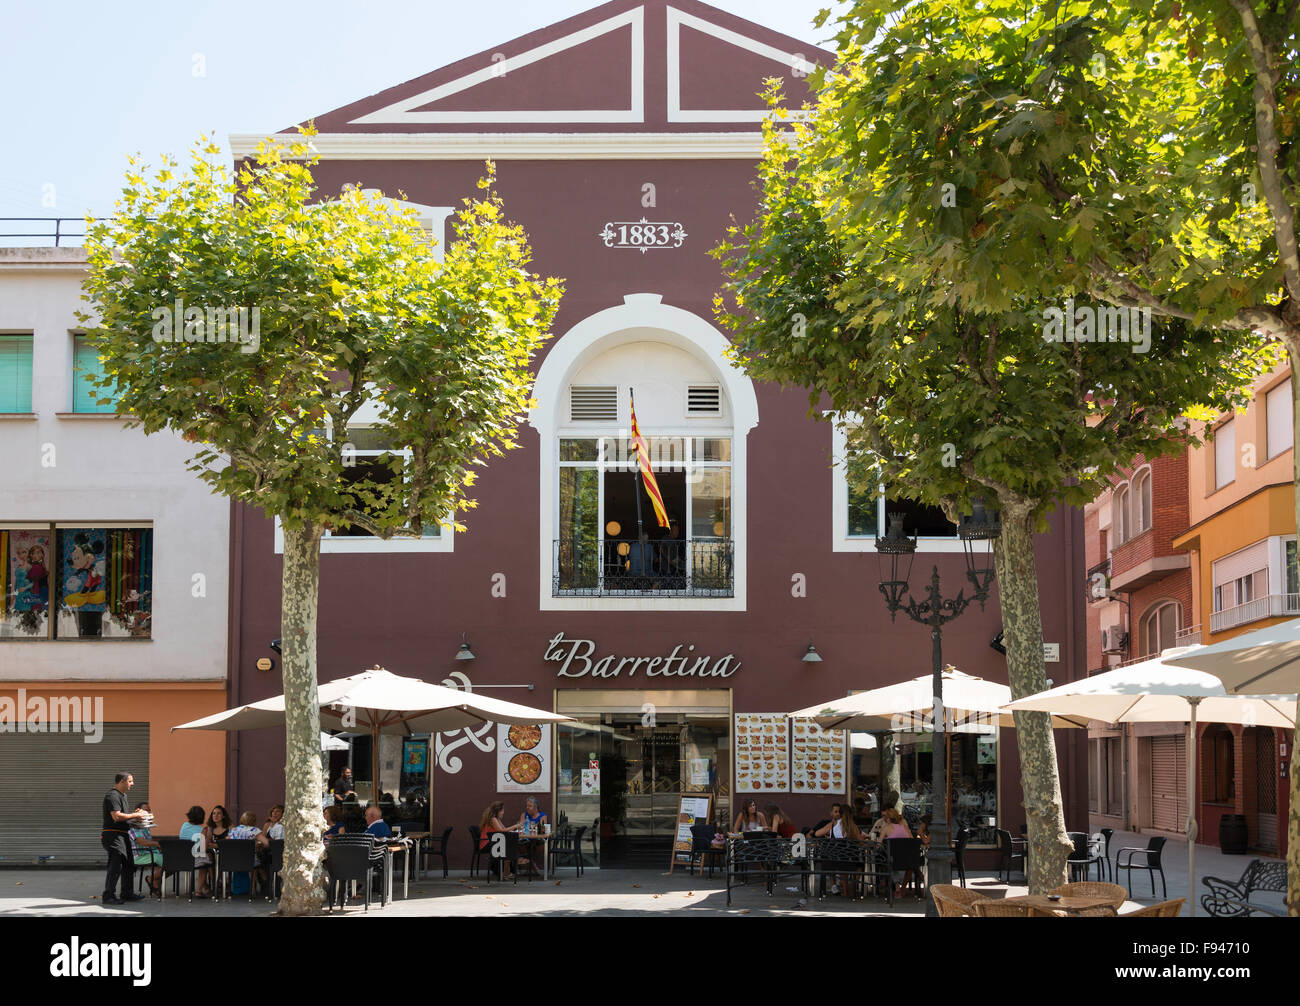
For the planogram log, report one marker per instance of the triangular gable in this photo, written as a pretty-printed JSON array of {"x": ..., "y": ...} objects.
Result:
[{"x": 627, "y": 66}]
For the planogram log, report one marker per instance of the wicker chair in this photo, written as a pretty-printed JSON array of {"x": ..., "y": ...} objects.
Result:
[
  {"x": 1164, "y": 910},
  {"x": 1094, "y": 889},
  {"x": 990, "y": 909},
  {"x": 953, "y": 901}
]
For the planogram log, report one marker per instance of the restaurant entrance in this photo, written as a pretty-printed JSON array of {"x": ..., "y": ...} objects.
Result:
[{"x": 623, "y": 767}]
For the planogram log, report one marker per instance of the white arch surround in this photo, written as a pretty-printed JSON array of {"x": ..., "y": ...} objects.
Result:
[{"x": 641, "y": 317}]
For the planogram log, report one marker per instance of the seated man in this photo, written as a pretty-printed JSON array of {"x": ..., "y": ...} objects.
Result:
[{"x": 376, "y": 826}]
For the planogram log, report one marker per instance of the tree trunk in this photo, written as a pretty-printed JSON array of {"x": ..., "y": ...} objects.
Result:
[
  {"x": 1013, "y": 555},
  {"x": 891, "y": 790},
  {"x": 304, "y": 821}
]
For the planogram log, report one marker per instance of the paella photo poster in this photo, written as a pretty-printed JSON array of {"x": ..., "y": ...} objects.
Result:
[
  {"x": 523, "y": 758},
  {"x": 762, "y": 753}
]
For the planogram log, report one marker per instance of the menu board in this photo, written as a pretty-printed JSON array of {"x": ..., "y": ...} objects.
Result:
[
  {"x": 818, "y": 759},
  {"x": 693, "y": 810},
  {"x": 762, "y": 753}
]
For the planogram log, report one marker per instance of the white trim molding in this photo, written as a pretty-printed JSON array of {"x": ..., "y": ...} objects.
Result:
[
  {"x": 403, "y": 112},
  {"x": 676, "y": 18},
  {"x": 370, "y": 545},
  {"x": 639, "y": 318},
  {"x": 736, "y": 146}
]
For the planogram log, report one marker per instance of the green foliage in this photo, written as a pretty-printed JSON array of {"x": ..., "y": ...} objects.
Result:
[
  {"x": 926, "y": 321},
  {"x": 353, "y": 308}
]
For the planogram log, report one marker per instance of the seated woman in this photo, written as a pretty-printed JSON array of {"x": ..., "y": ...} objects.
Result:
[
  {"x": 272, "y": 829},
  {"x": 841, "y": 825},
  {"x": 219, "y": 823},
  {"x": 193, "y": 830},
  {"x": 333, "y": 822},
  {"x": 750, "y": 817},
  {"x": 491, "y": 822},
  {"x": 896, "y": 827},
  {"x": 147, "y": 854},
  {"x": 532, "y": 821},
  {"x": 778, "y": 822}
]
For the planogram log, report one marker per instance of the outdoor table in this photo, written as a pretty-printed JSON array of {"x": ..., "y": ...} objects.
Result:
[
  {"x": 418, "y": 837},
  {"x": 1069, "y": 904},
  {"x": 391, "y": 847}
]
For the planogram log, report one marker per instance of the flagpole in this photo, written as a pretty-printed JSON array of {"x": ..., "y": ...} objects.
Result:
[{"x": 637, "y": 468}]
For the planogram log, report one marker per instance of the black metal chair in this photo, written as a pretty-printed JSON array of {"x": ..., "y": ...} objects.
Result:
[
  {"x": 476, "y": 854},
  {"x": 959, "y": 853},
  {"x": 703, "y": 852},
  {"x": 1008, "y": 854},
  {"x": 905, "y": 855},
  {"x": 568, "y": 845},
  {"x": 272, "y": 864},
  {"x": 1097, "y": 853},
  {"x": 238, "y": 855},
  {"x": 374, "y": 851},
  {"x": 511, "y": 855},
  {"x": 177, "y": 858},
  {"x": 1108, "y": 834},
  {"x": 1151, "y": 864},
  {"x": 439, "y": 848},
  {"x": 1079, "y": 860},
  {"x": 348, "y": 863}
]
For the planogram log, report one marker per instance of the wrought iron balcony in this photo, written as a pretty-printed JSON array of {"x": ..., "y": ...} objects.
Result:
[{"x": 608, "y": 567}]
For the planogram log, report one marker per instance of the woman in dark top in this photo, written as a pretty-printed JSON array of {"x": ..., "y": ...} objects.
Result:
[{"x": 219, "y": 823}]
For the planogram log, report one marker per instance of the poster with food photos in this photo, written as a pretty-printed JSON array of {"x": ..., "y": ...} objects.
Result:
[
  {"x": 522, "y": 753},
  {"x": 817, "y": 759},
  {"x": 762, "y": 753}
]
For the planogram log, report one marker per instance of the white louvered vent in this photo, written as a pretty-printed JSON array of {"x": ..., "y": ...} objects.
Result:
[
  {"x": 704, "y": 400},
  {"x": 588, "y": 404}
]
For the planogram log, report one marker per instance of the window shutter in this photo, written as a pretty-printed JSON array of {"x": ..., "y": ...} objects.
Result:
[
  {"x": 704, "y": 400},
  {"x": 589, "y": 404},
  {"x": 15, "y": 373},
  {"x": 1279, "y": 423}
]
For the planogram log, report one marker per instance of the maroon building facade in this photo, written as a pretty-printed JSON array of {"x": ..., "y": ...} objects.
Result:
[{"x": 625, "y": 141}]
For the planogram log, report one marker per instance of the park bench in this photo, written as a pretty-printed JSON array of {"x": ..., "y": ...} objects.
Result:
[{"x": 1233, "y": 899}]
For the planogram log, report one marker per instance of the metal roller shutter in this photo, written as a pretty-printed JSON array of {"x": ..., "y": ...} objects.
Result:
[
  {"x": 1169, "y": 783},
  {"x": 54, "y": 790}
]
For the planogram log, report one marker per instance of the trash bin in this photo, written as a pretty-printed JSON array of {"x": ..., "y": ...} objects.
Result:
[{"x": 1233, "y": 835}]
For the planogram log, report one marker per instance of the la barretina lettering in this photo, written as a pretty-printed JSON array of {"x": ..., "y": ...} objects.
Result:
[{"x": 575, "y": 659}]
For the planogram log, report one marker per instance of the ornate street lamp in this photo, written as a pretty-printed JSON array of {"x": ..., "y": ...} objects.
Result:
[{"x": 935, "y": 611}]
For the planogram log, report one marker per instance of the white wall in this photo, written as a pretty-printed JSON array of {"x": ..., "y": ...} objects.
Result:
[{"x": 104, "y": 472}]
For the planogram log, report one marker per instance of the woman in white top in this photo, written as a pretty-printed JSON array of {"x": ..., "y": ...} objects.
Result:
[
  {"x": 841, "y": 825},
  {"x": 750, "y": 817}
]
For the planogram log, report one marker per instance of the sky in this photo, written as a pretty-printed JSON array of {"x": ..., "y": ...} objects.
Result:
[{"x": 89, "y": 83}]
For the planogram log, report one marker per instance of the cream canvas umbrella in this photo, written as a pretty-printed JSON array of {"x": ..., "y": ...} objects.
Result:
[
  {"x": 379, "y": 702},
  {"x": 1154, "y": 691},
  {"x": 328, "y": 742}
]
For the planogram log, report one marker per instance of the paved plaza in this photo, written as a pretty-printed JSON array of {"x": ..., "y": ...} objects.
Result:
[{"x": 75, "y": 893}]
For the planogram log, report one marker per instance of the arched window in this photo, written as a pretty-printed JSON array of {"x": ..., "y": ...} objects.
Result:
[
  {"x": 1141, "y": 502},
  {"x": 1159, "y": 627},
  {"x": 1121, "y": 516}
]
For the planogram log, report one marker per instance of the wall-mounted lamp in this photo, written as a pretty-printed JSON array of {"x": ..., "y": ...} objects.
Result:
[
  {"x": 464, "y": 653},
  {"x": 812, "y": 656},
  {"x": 275, "y": 645}
]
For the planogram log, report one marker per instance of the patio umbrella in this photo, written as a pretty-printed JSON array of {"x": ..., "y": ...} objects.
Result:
[
  {"x": 1154, "y": 691},
  {"x": 328, "y": 742},
  {"x": 1252, "y": 662},
  {"x": 379, "y": 702},
  {"x": 970, "y": 705}
]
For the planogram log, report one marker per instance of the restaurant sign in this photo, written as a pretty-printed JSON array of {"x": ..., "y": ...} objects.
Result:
[{"x": 575, "y": 657}]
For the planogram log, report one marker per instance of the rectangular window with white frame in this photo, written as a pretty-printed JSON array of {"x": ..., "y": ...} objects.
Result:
[
  {"x": 861, "y": 507},
  {"x": 1225, "y": 454},
  {"x": 1280, "y": 425}
]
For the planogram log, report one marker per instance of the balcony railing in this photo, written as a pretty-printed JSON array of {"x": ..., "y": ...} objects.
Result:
[
  {"x": 59, "y": 231},
  {"x": 620, "y": 568},
  {"x": 1269, "y": 606},
  {"x": 1189, "y": 636}
]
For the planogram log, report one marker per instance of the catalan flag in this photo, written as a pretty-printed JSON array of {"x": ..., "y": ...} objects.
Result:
[{"x": 647, "y": 473}]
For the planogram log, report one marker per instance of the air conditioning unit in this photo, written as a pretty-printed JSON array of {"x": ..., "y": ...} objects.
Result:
[{"x": 1113, "y": 640}]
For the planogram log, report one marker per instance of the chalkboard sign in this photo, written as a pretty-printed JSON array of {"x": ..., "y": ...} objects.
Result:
[{"x": 694, "y": 809}]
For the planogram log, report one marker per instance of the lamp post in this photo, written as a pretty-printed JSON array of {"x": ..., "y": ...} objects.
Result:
[{"x": 935, "y": 611}]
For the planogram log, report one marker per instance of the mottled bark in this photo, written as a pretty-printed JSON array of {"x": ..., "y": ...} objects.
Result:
[
  {"x": 891, "y": 789},
  {"x": 304, "y": 823},
  {"x": 1022, "y": 626}
]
